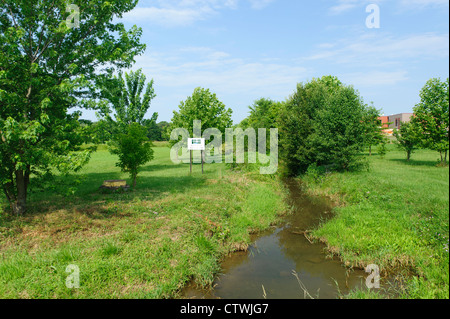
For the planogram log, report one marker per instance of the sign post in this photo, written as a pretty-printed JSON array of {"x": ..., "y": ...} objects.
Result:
[{"x": 196, "y": 144}]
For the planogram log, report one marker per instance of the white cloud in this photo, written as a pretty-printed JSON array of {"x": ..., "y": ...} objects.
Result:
[
  {"x": 382, "y": 49},
  {"x": 342, "y": 6},
  {"x": 260, "y": 4},
  {"x": 375, "y": 78},
  {"x": 220, "y": 71},
  {"x": 168, "y": 17},
  {"x": 179, "y": 13},
  {"x": 424, "y": 3}
]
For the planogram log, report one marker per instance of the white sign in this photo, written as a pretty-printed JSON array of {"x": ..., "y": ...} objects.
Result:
[{"x": 196, "y": 144}]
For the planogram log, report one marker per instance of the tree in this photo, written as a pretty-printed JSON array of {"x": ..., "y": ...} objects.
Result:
[
  {"x": 263, "y": 114},
  {"x": 322, "y": 124},
  {"x": 126, "y": 97},
  {"x": 156, "y": 131},
  {"x": 204, "y": 106},
  {"x": 407, "y": 139},
  {"x": 431, "y": 117},
  {"x": 162, "y": 126},
  {"x": 373, "y": 134},
  {"x": 134, "y": 150},
  {"x": 47, "y": 67}
]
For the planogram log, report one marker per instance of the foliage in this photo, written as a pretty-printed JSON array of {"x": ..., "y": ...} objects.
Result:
[
  {"x": 373, "y": 128},
  {"x": 126, "y": 97},
  {"x": 382, "y": 149},
  {"x": 431, "y": 117},
  {"x": 133, "y": 148},
  {"x": 322, "y": 123},
  {"x": 407, "y": 139},
  {"x": 263, "y": 114},
  {"x": 46, "y": 68},
  {"x": 156, "y": 131},
  {"x": 204, "y": 106}
]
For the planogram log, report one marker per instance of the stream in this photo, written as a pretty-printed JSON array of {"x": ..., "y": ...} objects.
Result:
[{"x": 282, "y": 263}]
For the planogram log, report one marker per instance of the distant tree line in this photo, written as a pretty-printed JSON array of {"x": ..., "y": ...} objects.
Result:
[
  {"x": 101, "y": 131},
  {"x": 326, "y": 125}
]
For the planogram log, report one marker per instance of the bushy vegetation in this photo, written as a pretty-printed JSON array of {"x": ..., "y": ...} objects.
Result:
[
  {"x": 322, "y": 124},
  {"x": 133, "y": 149}
]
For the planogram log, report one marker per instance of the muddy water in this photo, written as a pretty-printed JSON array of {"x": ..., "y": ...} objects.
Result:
[{"x": 282, "y": 263}]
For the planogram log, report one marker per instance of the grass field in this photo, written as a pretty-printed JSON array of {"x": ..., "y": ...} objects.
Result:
[
  {"x": 395, "y": 215},
  {"x": 143, "y": 243},
  {"x": 149, "y": 242}
]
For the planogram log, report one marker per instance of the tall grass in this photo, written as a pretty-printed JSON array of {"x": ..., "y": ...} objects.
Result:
[
  {"x": 396, "y": 216},
  {"x": 142, "y": 243}
]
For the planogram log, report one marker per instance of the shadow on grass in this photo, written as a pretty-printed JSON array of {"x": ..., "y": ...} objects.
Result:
[
  {"x": 88, "y": 198},
  {"x": 153, "y": 168},
  {"x": 413, "y": 162}
]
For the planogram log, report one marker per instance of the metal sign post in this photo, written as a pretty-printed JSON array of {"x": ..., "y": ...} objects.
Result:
[{"x": 196, "y": 144}]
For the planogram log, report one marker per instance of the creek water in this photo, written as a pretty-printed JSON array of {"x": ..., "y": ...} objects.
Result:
[{"x": 282, "y": 263}]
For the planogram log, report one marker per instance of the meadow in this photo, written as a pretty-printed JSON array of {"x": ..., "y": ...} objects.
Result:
[
  {"x": 395, "y": 215},
  {"x": 175, "y": 228},
  {"x": 147, "y": 242}
]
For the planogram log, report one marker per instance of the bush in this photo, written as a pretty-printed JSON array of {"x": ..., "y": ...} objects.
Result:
[
  {"x": 322, "y": 124},
  {"x": 133, "y": 148}
]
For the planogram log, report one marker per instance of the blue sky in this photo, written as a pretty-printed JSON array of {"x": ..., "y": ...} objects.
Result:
[{"x": 243, "y": 50}]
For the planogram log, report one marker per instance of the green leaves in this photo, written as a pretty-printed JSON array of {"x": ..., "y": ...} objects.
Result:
[
  {"x": 45, "y": 68},
  {"x": 204, "y": 106},
  {"x": 126, "y": 96},
  {"x": 431, "y": 116},
  {"x": 133, "y": 148},
  {"x": 407, "y": 138},
  {"x": 322, "y": 124}
]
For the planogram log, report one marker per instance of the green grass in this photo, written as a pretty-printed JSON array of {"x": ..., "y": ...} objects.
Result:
[
  {"x": 143, "y": 243},
  {"x": 395, "y": 215}
]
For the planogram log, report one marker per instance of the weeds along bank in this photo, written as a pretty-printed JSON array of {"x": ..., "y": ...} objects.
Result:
[
  {"x": 394, "y": 215},
  {"x": 145, "y": 243}
]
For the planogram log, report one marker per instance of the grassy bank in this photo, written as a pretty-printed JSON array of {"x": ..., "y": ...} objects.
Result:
[
  {"x": 396, "y": 216},
  {"x": 144, "y": 243}
]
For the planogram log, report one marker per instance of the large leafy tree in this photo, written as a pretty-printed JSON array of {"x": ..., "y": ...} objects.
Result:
[
  {"x": 203, "y": 105},
  {"x": 322, "y": 124},
  {"x": 47, "y": 67},
  {"x": 431, "y": 117},
  {"x": 263, "y": 114},
  {"x": 124, "y": 96}
]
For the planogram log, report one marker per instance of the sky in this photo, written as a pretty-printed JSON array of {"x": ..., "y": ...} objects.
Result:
[{"x": 243, "y": 50}]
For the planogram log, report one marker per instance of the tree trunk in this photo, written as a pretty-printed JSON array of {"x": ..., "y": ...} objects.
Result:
[
  {"x": 134, "y": 181},
  {"x": 16, "y": 193},
  {"x": 408, "y": 155},
  {"x": 370, "y": 150},
  {"x": 19, "y": 206}
]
